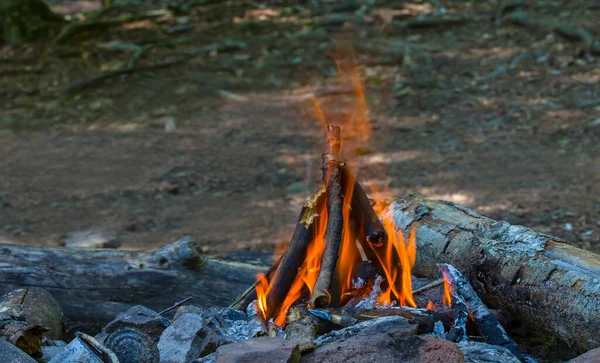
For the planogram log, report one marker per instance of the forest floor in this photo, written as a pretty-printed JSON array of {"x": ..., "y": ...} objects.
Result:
[{"x": 223, "y": 144}]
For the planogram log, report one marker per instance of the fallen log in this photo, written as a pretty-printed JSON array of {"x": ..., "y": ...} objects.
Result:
[
  {"x": 94, "y": 285},
  {"x": 543, "y": 282}
]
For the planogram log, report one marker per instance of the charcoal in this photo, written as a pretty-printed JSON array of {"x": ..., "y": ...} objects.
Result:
[{"x": 86, "y": 349}]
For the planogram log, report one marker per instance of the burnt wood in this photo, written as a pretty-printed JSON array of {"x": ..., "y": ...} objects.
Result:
[{"x": 489, "y": 327}]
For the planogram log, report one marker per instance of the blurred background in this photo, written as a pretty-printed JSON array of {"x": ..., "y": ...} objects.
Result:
[{"x": 143, "y": 121}]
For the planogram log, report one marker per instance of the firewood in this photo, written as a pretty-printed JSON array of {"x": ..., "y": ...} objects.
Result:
[
  {"x": 370, "y": 228},
  {"x": 295, "y": 254},
  {"x": 544, "y": 283},
  {"x": 488, "y": 325},
  {"x": 94, "y": 285},
  {"x": 425, "y": 318},
  {"x": 460, "y": 312},
  {"x": 335, "y": 223}
]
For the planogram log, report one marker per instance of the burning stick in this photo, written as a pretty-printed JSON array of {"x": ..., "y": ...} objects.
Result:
[
  {"x": 489, "y": 326},
  {"x": 294, "y": 256},
  {"x": 369, "y": 227},
  {"x": 333, "y": 233}
]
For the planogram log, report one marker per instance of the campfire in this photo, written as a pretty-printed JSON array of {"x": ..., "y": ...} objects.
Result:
[{"x": 349, "y": 263}]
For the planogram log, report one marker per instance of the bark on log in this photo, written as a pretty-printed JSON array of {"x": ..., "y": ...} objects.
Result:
[
  {"x": 93, "y": 285},
  {"x": 541, "y": 281}
]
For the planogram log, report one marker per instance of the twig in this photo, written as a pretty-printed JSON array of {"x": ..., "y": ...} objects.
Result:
[
  {"x": 428, "y": 286},
  {"x": 176, "y": 305}
]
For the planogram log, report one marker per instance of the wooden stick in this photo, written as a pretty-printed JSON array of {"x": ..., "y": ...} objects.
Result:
[
  {"x": 425, "y": 318},
  {"x": 295, "y": 254},
  {"x": 460, "y": 312},
  {"x": 335, "y": 223},
  {"x": 369, "y": 226},
  {"x": 489, "y": 326},
  {"x": 176, "y": 305}
]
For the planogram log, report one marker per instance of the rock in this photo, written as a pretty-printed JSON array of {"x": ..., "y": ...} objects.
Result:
[
  {"x": 132, "y": 345},
  {"x": 50, "y": 352},
  {"x": 86, "y": 349},
  {"x": 369, "y": 341},
  {"x": 186, "y": 309},
  {"x": 302, "y": 332},
  {"x": 208, "y": 359},
  {"x": 138, "y": 317},
  {"x": 427, "y": 349},
  {"x": 11, "y": 354},
  {"x": 481, "y": 352},
  {"x": 352, "y": 354},
  {"x": 186, "y": 339},
  {"x": 133, "y": 335},
  {"x": 264, "y": 349},
  {"x": 591, "y": 356},
  {"x": 92, "y": 238}
]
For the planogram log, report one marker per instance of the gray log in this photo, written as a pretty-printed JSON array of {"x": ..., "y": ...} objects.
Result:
[
  {"x": 94, "y": 285},
  {"x": 541, "y": 281}
]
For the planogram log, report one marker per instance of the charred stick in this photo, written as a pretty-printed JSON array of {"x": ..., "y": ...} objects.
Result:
[
  {"x": 488, "y": 325},
  {"x": 426, "y": 319},
  {"x": 460, "y": 311},
  {"x": 295, "y": 254},
  {"x": 369, "y": 226},
  {"x": 335, "y": 223}
]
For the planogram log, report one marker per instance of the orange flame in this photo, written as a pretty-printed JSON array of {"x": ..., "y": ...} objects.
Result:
[
  {"x": 447, "y": 299},
  {"x": 262, "y": 287},
  {"x": 431, "y": 306},
  {"x": 397, "y": 263}
]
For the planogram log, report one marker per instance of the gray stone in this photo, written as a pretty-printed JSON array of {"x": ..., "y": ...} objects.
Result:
[
  {"x": 369, "y": 341},
  {"x": 186, "y": 309},
  {"x": 139, "y": 317},
  {"x": 427, "y": 349},
  {"x": 11, "y": 354},
  {"x": 50, "y": 352},
  {"x": 264, "y": 349},
  {"x": 186, "y": 339},
  {"x": 481, "y": 352}
]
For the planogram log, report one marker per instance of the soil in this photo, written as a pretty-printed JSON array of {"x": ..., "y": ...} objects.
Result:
[{"x": 225, "y": 147}]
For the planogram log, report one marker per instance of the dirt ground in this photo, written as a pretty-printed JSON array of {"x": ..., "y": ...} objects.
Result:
[{"x": 225, "y": 146}]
